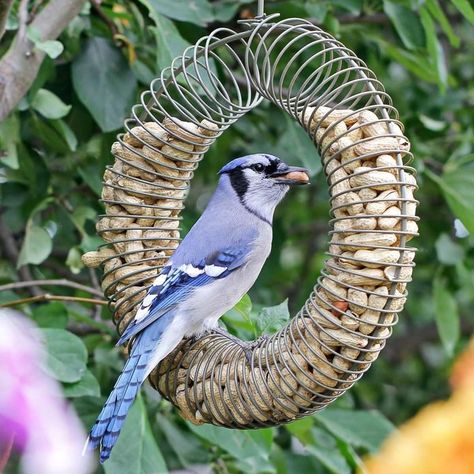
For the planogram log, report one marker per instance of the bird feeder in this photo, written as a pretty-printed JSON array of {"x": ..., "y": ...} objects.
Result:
[{"x": 344, "y": 324}]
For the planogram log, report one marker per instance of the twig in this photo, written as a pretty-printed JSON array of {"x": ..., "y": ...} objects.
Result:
[
  {"x": 59, "y": 282},
  {"x": 48, "y": 297},
  {"x": 111, "y": 25},
  {"x": 5, "y": 6},
  {"x": 19, "y": 66},
  {"x": 11, "y": 252}
]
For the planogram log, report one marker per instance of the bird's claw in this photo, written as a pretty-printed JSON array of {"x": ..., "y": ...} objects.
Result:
[{"x": 246, "y": 346}]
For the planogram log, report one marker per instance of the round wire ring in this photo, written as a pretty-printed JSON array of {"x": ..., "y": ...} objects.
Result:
[{"x": 346, "y": 320}]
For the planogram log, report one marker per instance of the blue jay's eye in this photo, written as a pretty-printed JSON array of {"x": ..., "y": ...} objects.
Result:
[{"x": 258, "y": 167}]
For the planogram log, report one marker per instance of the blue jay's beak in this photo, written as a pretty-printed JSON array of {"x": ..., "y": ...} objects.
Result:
[{"x": 291, "y": 175}]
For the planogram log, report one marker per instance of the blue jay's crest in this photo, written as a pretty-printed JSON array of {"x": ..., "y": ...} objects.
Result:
[
  {"x": 271, "y": 162},
  {"x": 210, "y": 271}
]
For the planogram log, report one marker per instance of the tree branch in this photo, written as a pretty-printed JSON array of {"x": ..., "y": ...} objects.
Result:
[
  {"x": 49, "y": 297},
  {"x": 5, "y": 6},
  {"x": 20, "y": 65},
  {"x": 59, "y": 282}
]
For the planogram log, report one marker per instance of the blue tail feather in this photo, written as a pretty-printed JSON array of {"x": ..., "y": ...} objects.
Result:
[{"x": 106, "y": 429}]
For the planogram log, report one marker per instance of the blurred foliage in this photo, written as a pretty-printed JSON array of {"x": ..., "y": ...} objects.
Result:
[{"x": 56, "y": 144}]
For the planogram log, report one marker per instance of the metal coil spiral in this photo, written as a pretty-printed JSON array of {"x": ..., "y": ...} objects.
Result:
[{"x": 349, "y": 315}]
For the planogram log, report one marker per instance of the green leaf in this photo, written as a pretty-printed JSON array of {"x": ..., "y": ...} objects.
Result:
[
  {"x": 406, "y": 23},
  {"x": 49, "y": 105},
  {"x": 273, "y": 318},
  {"x": 434, "y": 49},
  {"x": 250, "y": 448},
  {"x": 104, "y": 83},
  {"x": 51, "y": 47},
  {"x": 239, "y": 315},
  {"x": 432, "y": 124},
  {"x": 88, "y": 386},
  {"x": 170, "y": 43},
  {"x": 447, "y": 317},
  {"x": 136, "y": 451},
  {"x": 324, "y": 448},
  {"x": 37, "y": 246},
  {"x": 465, "y": 8},
  {"x": 198, "y": 12},
  {"x": 74, "y": 261},
  {"x": 302, "y": 429},
  {"x": 449, "y": 252},
  {"x": 457, "y": 185},
  {"x": 66, "y": 133},
  {"x": 51, "y": 315},
  {"x": 48, "y": 134},
  {"x": 296, "y": 142},
  {"x": 187, "y": 447},
  {"x": 361, "y": 428},
  {"x": 67, "y": 355},
  {"x": 437, "y": 12},
  {"x": 415, "y": 63},
  {"x": 9, "y": 137},
  {"x": 225, "y": 10},
  {"x": 316, "y": 10},
  {"x": 80, "y": 215}
]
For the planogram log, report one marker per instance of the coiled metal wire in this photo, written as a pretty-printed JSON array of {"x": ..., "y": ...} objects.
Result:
[{"x": 349, "y": 315}]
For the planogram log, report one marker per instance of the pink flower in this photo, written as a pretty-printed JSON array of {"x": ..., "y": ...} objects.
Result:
[{"x": 33, "y": 412}]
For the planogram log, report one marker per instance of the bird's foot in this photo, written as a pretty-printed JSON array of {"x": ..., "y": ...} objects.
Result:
[{"x": 246, "y": 346}]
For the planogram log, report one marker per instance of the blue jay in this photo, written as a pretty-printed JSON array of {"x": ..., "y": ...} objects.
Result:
[{"x": 214, "y": 266}]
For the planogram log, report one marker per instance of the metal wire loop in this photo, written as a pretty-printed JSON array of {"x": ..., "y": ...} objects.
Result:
[{"x": 349, "y": 315}]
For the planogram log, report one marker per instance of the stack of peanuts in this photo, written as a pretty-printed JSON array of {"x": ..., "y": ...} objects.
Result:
[
  {"x": 143, "y": 194},
  {"x": 344, "y": 323}
]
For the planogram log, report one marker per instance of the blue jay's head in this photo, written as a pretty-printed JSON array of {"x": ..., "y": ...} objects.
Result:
[{"x": 261, "y": 181}]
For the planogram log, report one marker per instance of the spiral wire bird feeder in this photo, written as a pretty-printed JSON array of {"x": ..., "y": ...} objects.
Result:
[{"x": 349, "y": 315}]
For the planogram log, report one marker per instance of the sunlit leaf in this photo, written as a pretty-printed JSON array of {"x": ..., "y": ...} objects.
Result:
[
  {"x": 438, "y": 13},
  {"x": 273, "y": 318},
  {"x": 465, "y": 8},
  {"x": 73, "y": 260},
  {"x": 37, "y": 246},
  {"x": 52, "y": 48},
  {"x": 49, "y": 105},
  {"x": 434, "y": 48}
]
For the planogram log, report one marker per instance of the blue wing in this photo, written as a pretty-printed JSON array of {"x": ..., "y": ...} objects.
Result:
[{"x": 176, "y": 284}]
